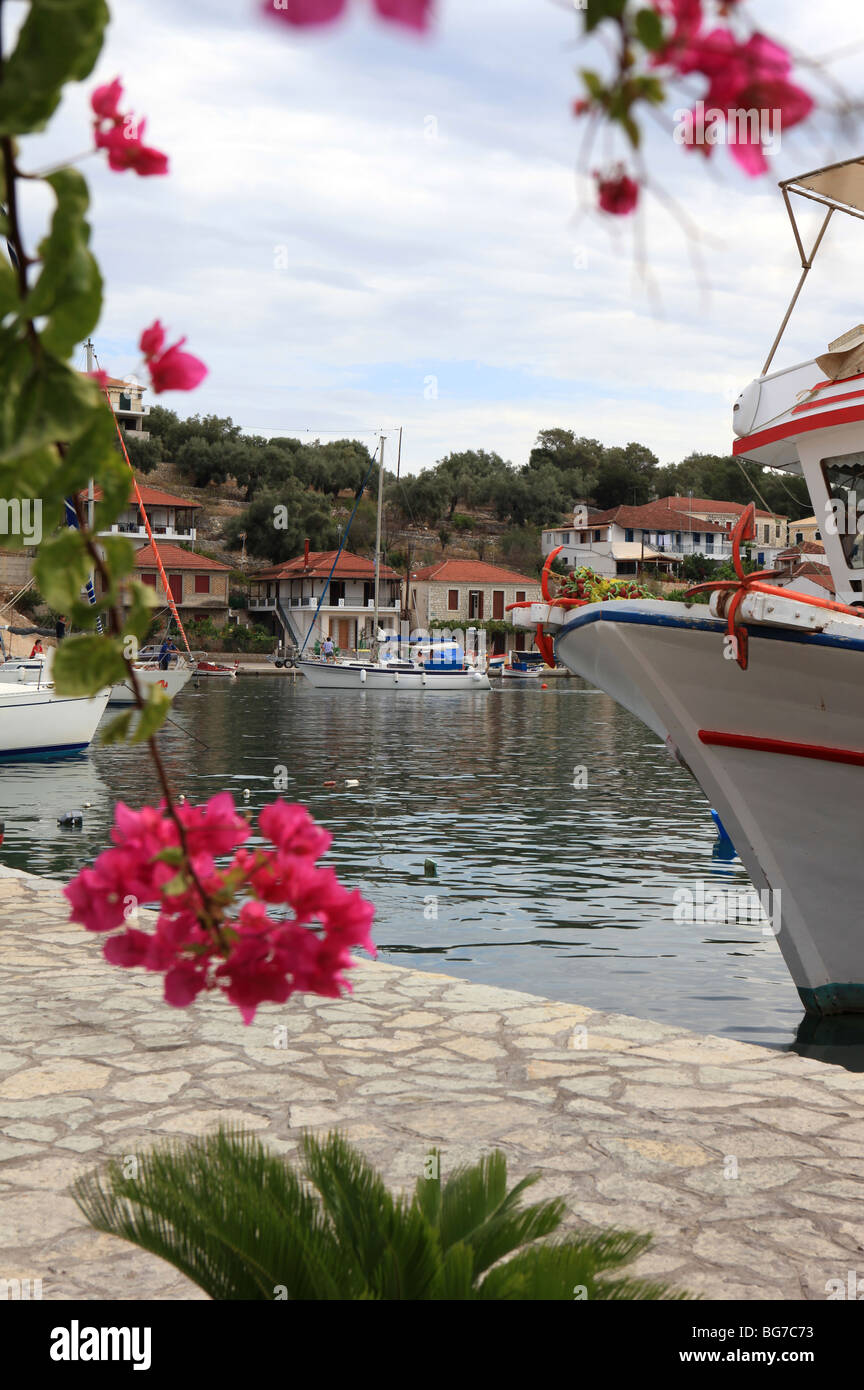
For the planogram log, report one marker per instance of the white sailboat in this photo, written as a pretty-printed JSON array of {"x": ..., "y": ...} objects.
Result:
[
  {"x": 761, "y": 693},
  {"x": 416, "y": 665},
  {"x": 36, "y": 722}
]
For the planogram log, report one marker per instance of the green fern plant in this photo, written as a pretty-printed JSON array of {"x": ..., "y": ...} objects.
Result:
[{"x": 243, "y": 1223}]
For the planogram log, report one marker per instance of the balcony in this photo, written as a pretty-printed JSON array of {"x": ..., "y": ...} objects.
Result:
[
  {"x": 342, "y": 605},
  {"x": 163, "y": 533}
]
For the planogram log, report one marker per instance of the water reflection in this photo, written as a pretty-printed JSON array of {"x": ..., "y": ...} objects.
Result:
[{"x": 540, "y": 884}]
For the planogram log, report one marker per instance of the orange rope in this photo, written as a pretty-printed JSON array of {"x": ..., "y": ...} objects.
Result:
[{"x": 168, "y": 594}]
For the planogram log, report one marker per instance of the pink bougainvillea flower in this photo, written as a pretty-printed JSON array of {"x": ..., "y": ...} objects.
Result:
[
  {"x": 296, "y": 924},
  {"x": 126, "y": 149},
  {"x": 301, "y": 12},
  {"x": 152, "y": 340},
  {"x": 105, "y": 101},
  {"x": 101, "y": 378},
  {"x": 122, "y": 136},
  {"x": 170, "y": 369},
  {"x": 617, "y": 193},
  {"x": 415, "y": 14}
]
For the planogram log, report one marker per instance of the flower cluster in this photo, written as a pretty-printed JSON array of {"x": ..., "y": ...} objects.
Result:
[
  {"x": 744, "y": 79},
  {"x": 200, "y": 942},
  {"x": 416, "y": 14},
  {"x": 122, "y": 134},
  {"x": 170, "y": 369},
  {"x": 748, "y": 100}
]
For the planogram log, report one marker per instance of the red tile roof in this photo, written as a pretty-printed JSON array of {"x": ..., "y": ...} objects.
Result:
[
  {"x": 150, "y": 496},
  {"x": 173, "y": 558},
  {"x": 708, "y": 504},
  {"x": 666, "y": 514},
  {"x": 470, "y": 572},
  {"x": 348, "y": 566}
]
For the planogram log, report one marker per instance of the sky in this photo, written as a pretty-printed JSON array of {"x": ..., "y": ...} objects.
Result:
[{"x": 364, "y": 229}]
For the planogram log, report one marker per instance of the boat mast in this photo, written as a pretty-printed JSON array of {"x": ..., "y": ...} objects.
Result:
[
  {"x": 378, "y": 535},
  {"x": 90, "y": 493}
]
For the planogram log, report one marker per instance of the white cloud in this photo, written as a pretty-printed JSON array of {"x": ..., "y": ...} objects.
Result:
[{"x": 324, "y": 255}]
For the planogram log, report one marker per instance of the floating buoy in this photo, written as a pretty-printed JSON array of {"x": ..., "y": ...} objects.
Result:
[
  {"x": 87, "y": 805},
  {"x": 71, "y": 818},
  {"x": 181, "y": 800},
  {"x": 2, "y": 830},
  {"x": 363, "y": 676},
  {"x": 429, "y": 868},
  {"x": 246, "y": 793},
  {"x": 351, "y": 782},
  {"x": 329, "y": 784},
  {"x": 544, "y": 686}
]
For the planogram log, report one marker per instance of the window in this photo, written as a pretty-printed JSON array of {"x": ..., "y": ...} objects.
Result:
[
  {"x": 498, "y": 603},
  {"x": 767, "y": 533},
  {"x": 595, "y": 535},
  {"x": 799, "y": 537},
  {"x": 520, "y": 595},
  {"x": 125, "y": 402},
  {"x": 202, "y": 583},
  {"x": 626, "y": 567},
  {"x": 149, "y": 579},
  {"x": 452, "y": 600},
  {"x": 475, "y": 603},
  {"x": 628, "y": 534},
  {"x": 697, "y": 537},
  {"x": 336, "y": 591}
]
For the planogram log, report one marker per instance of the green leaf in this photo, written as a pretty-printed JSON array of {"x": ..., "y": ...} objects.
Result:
[
  {"x": 59, "y": 42},
  {"x": 68, "y": 292},
  {"x": 153, "y": 715},
  {"x": 649, "y": 29},
  {"x": 61, "y": 569},
  {"x": 52, "y": 403},
  {"x": 594, "y": 84},
  {"x": 86, "y": 664},
  {"x": 118, "y": 730}
]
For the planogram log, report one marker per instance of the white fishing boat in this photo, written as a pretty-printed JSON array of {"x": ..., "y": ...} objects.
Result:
[
  {"x": 36, "y": 722},
  {"x": 761, "y": 693}
]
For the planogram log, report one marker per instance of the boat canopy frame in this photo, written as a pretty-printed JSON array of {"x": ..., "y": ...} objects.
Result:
[{"x": 839, "y": 188}]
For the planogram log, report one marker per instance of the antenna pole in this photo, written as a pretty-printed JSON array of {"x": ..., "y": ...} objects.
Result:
[{"x": 807, "y": 263}]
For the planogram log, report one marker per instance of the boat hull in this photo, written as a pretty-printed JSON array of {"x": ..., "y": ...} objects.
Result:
[
  {"x": 356, "y": 676},
  {"x": 778, "y": 749},
  {"x": 171, "y": 681},
  {"x": 36, "y": 723}
]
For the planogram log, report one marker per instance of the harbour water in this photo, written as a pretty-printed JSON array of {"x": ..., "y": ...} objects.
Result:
[{"x": 563, "y": 839}]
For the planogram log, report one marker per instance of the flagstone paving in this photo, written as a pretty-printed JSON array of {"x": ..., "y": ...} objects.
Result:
[{"x": 747, "y": 1164}]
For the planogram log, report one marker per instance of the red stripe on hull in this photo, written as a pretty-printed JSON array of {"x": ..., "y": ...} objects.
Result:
[
  {"x": 784, "y": 746},
  {"x": 802, "y": 426}
]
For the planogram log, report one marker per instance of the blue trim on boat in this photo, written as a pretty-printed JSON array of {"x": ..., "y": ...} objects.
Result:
[
  {"x": 833, "y": 999},
  {"x": 610, "y": 613},
  {"x": 59, "y": 750}
]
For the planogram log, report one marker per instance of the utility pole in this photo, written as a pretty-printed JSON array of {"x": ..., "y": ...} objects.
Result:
[{"x": 399, "y": 455}]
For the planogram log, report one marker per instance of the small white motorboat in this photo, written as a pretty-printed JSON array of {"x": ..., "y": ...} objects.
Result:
[{"x": 171, "y": 681}]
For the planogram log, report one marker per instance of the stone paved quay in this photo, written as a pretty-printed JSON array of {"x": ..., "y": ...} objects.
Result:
[{"x": 634, "y": 1123}]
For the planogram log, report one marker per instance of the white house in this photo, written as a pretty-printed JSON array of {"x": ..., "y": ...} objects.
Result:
[
  {"x": 293, "y": 594},
  {"x": 171, "y": 518},
  {"x": 625, "y": 541}
]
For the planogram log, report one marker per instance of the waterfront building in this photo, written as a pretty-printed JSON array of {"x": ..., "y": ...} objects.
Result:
[
  {"x": 462, "y": 593},
  {"x": 171, "y": 518},
  {"x": 199, "y": 585},
  {"x": 624, "y": 541},
  {"x": 305, "y": 609}
]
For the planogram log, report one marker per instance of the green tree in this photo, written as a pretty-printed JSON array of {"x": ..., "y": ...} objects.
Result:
[
  {"x": 144, "y": 454},
  {"x": 278, "y": 522}
]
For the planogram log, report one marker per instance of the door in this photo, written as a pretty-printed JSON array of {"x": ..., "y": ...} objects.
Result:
[
  {"x": 175, "y": 584},
  {"x": 344, "y": 634},
  {"x": 498, "y": 644},
  {"x": 497, "y": 603}
]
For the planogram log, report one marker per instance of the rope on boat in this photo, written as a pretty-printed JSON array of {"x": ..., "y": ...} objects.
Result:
[{"x": 745, "y": 530}]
